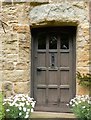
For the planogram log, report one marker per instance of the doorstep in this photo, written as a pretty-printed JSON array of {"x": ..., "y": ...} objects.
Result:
[{"x": 51, "y": 115}]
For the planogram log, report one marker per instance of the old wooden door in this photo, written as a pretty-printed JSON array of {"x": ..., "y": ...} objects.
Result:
[{"x": 53, "y": 63}]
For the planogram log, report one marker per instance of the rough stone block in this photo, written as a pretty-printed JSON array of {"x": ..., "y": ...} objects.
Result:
[
  {"x": 22, "y": 29},
  {"x": 16, "y": 75},
  {"x": 22, "y": 66},
  {"x": 10, "y": 57},
  {"x": 21, "y": 87},
  {"x": 8, "y": 66},
  {"x": 7, "y": 86},
  {"x": 10, "y": 48}
]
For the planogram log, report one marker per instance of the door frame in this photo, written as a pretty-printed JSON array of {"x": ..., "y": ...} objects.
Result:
[{"x": 33, "y": 70}]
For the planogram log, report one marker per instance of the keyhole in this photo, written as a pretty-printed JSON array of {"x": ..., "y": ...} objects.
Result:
[{"x": 52, "y": 60}]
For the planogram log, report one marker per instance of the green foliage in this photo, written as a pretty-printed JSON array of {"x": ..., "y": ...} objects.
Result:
[
  {"x": 1, "y": 106},
  {"x": 18, "y": 106},
  {"x": 81, "y": 107},
  {"x": 84, "y": 79},
  {"x": 83, "y": 111}
]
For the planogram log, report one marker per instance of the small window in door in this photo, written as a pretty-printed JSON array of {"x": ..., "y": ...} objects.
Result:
[
  {"x": 64, "y": 41},
  {"x": 42, "y": 41},
  {"x": 53, "y": 41}
]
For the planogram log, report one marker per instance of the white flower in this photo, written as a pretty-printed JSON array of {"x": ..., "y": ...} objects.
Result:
[
  {"x": 79, "y": 101},
  {"x": 73, "y": 105},
  {"x": 10, "y": 104},
  {"x": 32, "y": 110},
  {"x": 24, "y": 109},
  {"x": 4, "y": 103},
  {"x": 67, "y": 104},
  {"x": 29, "y": 99},
  {"x": 76, "y": 103},
  {"x": 22, "y": 104},
  {"x": 33, "y": 104},
  {"x": 16, "y": 105},
  {"x": 28, "y": 110},
  {"x": 20, "y": 108},
  {"x": 23, "y": 99},
  {"x": 27, "y": 103},
  {"x": 27, "y": 113},
  {"x": 20, "y": 114},
  {"x": 83, "y": 107},
  {"x": 70, "y": 103},
  {"x": 7, "y": 110},
  {"x": 26, "y": 116}
]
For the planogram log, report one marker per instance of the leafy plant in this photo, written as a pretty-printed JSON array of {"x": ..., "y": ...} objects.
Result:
[
  {"x": 18, "y": 106},
  {"x": 84, "y": 79},
  {"x": 81, "y": 107},
  {"x": 1, "y": 106}
]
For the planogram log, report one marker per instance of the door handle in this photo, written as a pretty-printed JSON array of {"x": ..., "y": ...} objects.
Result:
[{"x": 39, "y": 69}]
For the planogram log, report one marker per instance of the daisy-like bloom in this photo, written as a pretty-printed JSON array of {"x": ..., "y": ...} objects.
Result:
[
  {"x": 28, "y": 110},
  {"x": 20, "y": 113},
  {"x": 32, "y": 110},
  {"x": 7, "y": 110},
  {"x": 20, "y": 108},
  {"x": 26, "y": 116},
  {"x": 67, "y": 104},
  {"x": 22, "y": 104},
  {"x": 84, "y": 107},
  {"x": 27, "y": 113},
  {"x": 29, "y": 99},
  {"x": 17, "y": 105},
  {"x": 71, "y": 103},
  {"x": 10, "y": 104},
  {"x": 4, "y": 103},
  {"x": 76, "y": 103},
  {"x": 23, "y": 99},
  {"x": 33, "y": 104},
  {"x": 24, "y": 109},
  {"x": 27, "y": 103}
]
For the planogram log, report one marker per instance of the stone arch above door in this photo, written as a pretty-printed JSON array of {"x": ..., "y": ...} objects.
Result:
[{"x": 58, "y": 14}]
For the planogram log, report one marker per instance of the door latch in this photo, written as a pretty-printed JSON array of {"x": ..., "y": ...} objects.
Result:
[{"x": 39, "y": 69}]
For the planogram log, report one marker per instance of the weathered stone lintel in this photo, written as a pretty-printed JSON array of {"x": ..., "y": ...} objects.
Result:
[
  {"x": 32, "y": 2},
  {"x": 54, "y": 23}
]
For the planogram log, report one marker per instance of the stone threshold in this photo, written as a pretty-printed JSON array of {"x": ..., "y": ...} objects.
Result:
[{"x": 64, "y": 116}]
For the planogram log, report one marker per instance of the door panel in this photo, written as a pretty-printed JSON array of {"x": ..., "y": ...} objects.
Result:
[
  {"x": 64, "y": 59},
  {"x": 64, "y": 95},
  {"x": 64, "y": 77},
  {"x": 53, "y": 69},
  {"x": 41, "y": 77},
  {"x": 41, "y": 59},
  {"x": 41, "y": 96},
  {"x": 52, "y": 96},
  {"x": 53, "y": 77}
]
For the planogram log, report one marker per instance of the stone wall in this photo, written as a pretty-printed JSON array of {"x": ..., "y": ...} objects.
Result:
[
  {"x": 15, "y": 44},
  {"x": 15, "y": 56}
]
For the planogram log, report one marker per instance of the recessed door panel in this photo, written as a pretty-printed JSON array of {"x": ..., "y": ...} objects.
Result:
[
  {"x": 52, "y": 99},
  {"x": 41, "y": 76},
  {"x": 53, "y": 77},
  {"x": 64, "y": 62},
  {"x": 41, "y": 96},
  {"x": 64, "y": 95},
  {"x": 41, "y": 59},
  {"x": 64, "y": 77}
]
